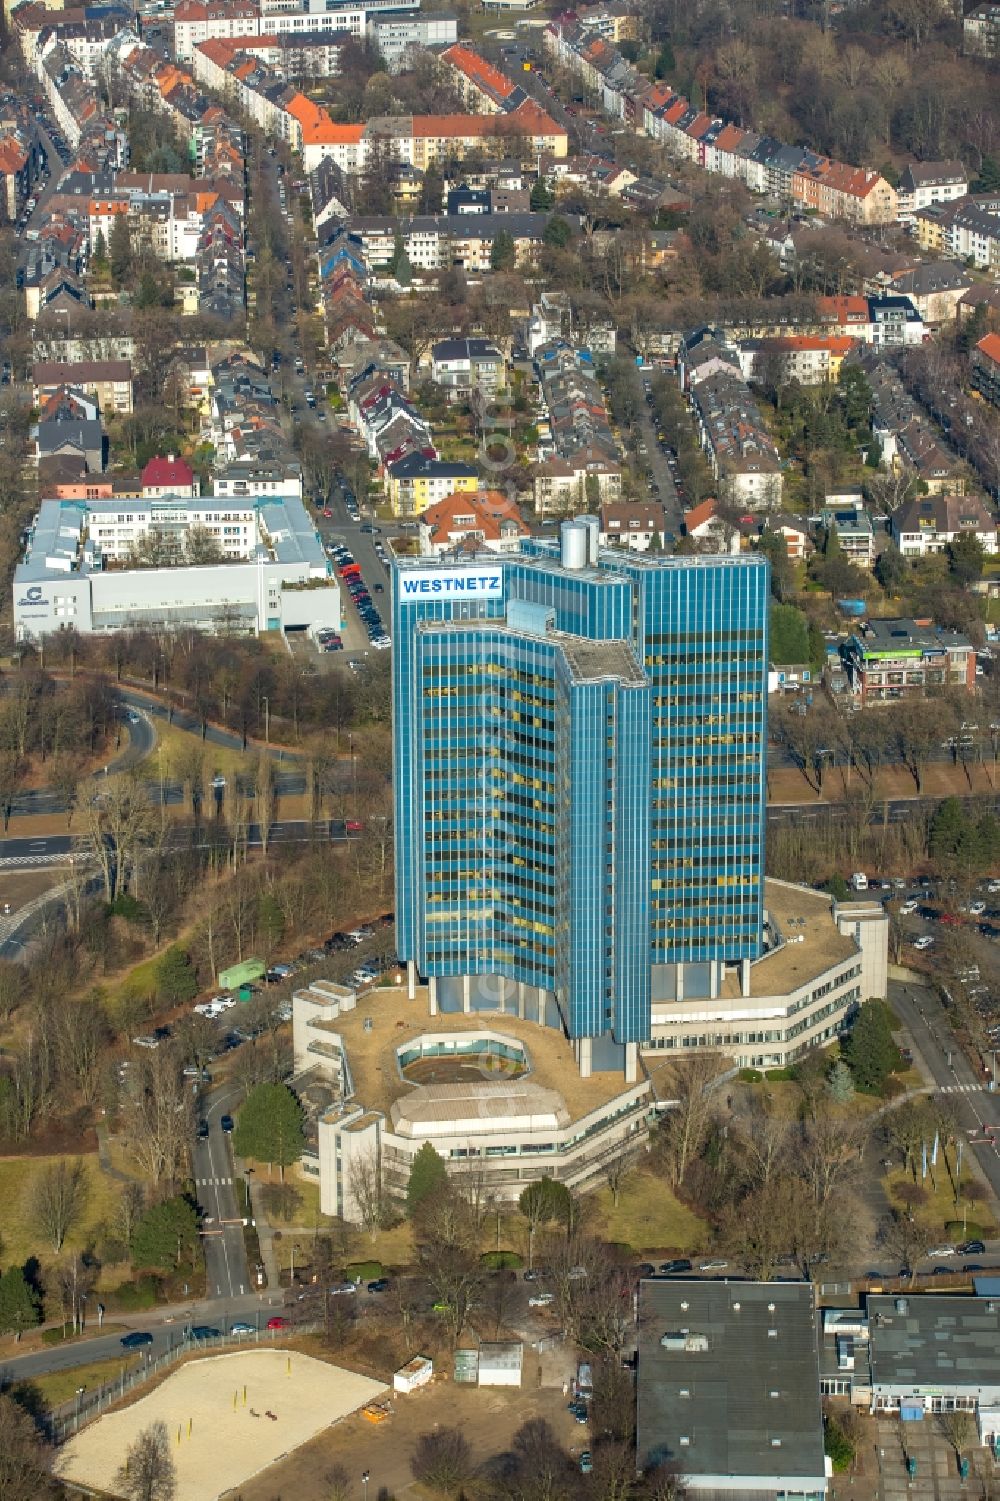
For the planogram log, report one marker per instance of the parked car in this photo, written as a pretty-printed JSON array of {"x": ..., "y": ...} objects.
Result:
[
  {"x": 678, "y": 1264},
  {"x": 925, "y": 941},
  {"x": 972, "y": 1248},
  {"x": 203, "y": 1332},
  {"x": 277, "y": 1322},
  {"x": 541, "y": 1300},
  {"x": 340, "y": 1288},
  {"x": 241, "y": 1327},
  {"x": 380, "y": 1285},
  {"x": 227, "y": 1124},
  {"x": 136, "y": 1339},
  {"x": 941, "y": 1251},
  {"x": 713, "y": 1266}
]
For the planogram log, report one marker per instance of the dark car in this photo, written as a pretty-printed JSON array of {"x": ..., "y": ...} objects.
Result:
[
  {"x": 203, "y": 1130},
  {"x": 679, "y": 1264},
  {"x": 203, "y": 1331},
  {"x": 136, "y": 1339},
  {"x": 972, "y": 1248},
  {"x": 226, "y": 1123},
  {"x": 380, "y": 1285}
]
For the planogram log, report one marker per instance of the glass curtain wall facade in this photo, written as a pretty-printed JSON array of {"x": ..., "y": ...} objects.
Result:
[{"x": 579, "y": 781}]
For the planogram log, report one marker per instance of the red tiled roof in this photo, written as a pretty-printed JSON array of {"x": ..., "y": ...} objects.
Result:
[
  {"x": 167, "y": 471},
  {"x": 478, "y": 71},
  {"x": 990, "y": 346}
]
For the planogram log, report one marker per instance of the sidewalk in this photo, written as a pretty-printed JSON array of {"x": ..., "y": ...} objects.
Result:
[{"x": 265, "y": 1233}]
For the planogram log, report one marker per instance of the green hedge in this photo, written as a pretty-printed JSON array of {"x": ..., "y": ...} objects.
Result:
[
  {"x": 364, "y": 1271},
  {"x": 144, "y": 1292},
  {"x": 502, "y": 1261},
  {"x": 780, "y": 1075},
  {"x": 750, "y": 1076}
]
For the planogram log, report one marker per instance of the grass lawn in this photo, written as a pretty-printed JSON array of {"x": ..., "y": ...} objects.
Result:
[
  {"x": 177, "y": 745},
  {"x": 394, "y": 1248},
  {"x": 60, "y": 1386},
  {"x": 649, "y": 1218},
  {"x": 939, "y": 1207},
  {"x": 20, "y": 1239}
]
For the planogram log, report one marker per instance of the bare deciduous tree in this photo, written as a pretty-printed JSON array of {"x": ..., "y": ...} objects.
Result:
[
  {"x": 148, "y": 1473},
  {"x": 368, "y": 1191},
  {"x": 57, "y": 1196},
  {"x": 684, "y": 1129}
]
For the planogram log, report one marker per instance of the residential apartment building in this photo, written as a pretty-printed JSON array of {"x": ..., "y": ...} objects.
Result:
[
  {"x": 397, "y": 34},
  {"x": 930, "y": 523},
  {"x": 637, "y": 525},
  {"x": 981, "y": 30},
  {"x": 730, "y": 424},
  {"x": 482, "y": 88},
  {"x": 416, "y": 483},
  {"x": 846, "y": 518},
  {"x": 968, "y": 229},
  {"x": 809, "y": 359},
  {"x": 573, "y": 893},
  {"x": 986, "y": 368},
  {"x": 888, "y": 660},
  {"x": 925, "y": 184},
  {"x": 463, "y": 366},
  {"x": 109, "y": 380}
]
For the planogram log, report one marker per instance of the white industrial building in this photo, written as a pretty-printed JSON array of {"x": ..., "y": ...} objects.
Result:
[{"x": 81, "y": 568}]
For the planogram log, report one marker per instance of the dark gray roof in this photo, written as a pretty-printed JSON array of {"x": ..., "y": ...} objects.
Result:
[
  {"x": 934, "y": 1340},
  {"x": 739, "y": 1381}
]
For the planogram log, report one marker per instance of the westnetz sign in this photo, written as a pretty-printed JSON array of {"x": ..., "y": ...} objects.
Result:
[{"x": 465, "y": 583}]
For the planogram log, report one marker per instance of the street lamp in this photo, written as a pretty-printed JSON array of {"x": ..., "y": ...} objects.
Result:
[{"x": 365, "y": 1477}]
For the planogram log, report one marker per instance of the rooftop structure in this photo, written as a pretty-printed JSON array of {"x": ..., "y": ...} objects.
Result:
[{"x": 728, "y": 1387}]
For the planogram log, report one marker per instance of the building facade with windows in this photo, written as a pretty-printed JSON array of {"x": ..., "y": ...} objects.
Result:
[{"x": 580, "y": 741}]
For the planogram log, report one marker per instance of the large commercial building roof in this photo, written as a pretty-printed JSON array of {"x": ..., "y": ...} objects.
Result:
[
  {"x": 729, "y": 1384},
  {"x": 937, "y": 1341}
]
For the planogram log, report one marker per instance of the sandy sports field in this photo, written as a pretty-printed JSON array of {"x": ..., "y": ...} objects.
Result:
[{"x": 218, "y": 1437}]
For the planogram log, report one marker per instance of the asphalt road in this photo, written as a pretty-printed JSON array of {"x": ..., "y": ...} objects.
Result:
[
  {"x": 227, "y": 1274},
  {"x": 948, "y": 1068},
  {"x": 656, "y": 461}
]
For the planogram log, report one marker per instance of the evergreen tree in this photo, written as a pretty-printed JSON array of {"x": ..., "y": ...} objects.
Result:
[
  {"x": 542, "y": 197},
  {"x": 503, "y": 256},
  {"x": 557, "y": 232},
  {"x": 167, "y": 1236},
  {"x": 269, "y": 1128},
  {"x": 19, "y": 1303},
  {"x": 176, "y": 980},
  {"x": 840, "y": 1083},
  {"x": 965, "y": 558},
  {"x": 868, "y": 1049},
  {"x": 120, "y": 251},
  {"x": 948, "y": 829},
  {"x": 427, "y": 1174}
]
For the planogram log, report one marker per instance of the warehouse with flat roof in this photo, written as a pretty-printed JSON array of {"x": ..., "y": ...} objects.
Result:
[{"x": 728, "y": 1388}]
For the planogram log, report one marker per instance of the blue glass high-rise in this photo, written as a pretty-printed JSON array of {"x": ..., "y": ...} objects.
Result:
[{"x": 579, "y": 762}]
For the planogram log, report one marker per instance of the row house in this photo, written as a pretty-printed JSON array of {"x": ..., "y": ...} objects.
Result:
[
  {"x": 434, "y": 242},
  {"x": 765, "y": 164},
  {"x": 810, "y": 360},
  {"x": 19, "y": 166},
  {"x": 908, "y": 440},
  {"x": 636, "y": 525},
  {"x": 981, "y": 30},
  {"x": 108, "y": 381},
  {"x": 197, "y": 21},
  {"x": 967, "y": 229},
  {"x": 741, "y": 453},
  {"x": 578, "y": 460},
  {"x": 482, "y": 88},
  {"x": 420, "y": 141}
]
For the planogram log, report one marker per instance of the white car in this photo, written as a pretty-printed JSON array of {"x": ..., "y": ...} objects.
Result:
[
  {"x": 908, "y": 907},
  {"x": 993, "y": 887},
  {"x": 206, "y": 1008},
  {"x": 940, "y": 1251},
  {"x": 713, "y": 1266},
  {"x": 924, "y": 942},
  {"x": 976, "y": 909},
  {"x": 541, "y": 1300},
  {"x": 218, "y": 781}
]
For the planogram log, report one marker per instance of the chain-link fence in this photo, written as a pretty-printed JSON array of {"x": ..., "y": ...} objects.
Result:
[{"x": 65, "y": 1421}]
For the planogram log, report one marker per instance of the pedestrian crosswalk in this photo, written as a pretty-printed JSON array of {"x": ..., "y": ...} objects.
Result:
[
  {"x": 213, "y": 1182},
  {"x": 959, "y": 1089}
]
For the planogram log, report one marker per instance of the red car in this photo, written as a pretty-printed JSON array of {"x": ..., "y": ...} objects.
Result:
[
  {"x": 327, "y": 513},
  {"x": 277, "y": 1323},
  {"x": 353, "y": 827}
]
